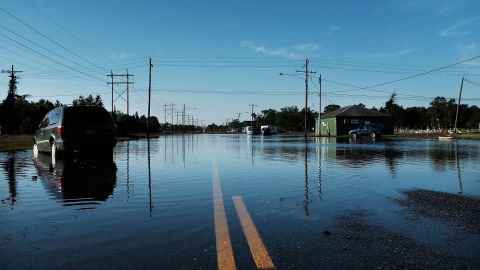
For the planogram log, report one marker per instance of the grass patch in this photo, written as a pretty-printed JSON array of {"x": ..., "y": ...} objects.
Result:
[{"x": 15, "y": 142}]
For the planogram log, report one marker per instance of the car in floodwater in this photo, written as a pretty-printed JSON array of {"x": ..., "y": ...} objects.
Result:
[
  {"x": 371, "y": 130},
  {"x": 76, "y": 129}
]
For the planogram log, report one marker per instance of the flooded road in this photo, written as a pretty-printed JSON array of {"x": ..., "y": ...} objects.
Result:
[{"x": 226, "y": 201}]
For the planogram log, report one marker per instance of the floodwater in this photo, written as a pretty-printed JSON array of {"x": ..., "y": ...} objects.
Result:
[{"x": 217, "y": 201}]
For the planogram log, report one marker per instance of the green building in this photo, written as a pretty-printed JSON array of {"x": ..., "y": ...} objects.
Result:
[{"x": 341, "y": 121}]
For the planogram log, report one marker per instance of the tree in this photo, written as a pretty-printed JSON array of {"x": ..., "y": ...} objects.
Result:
[
  {"x": 439, "y": 114},
  {"x": 331, "y": 108},
  {"x": 268, "y": 117},
  {"x": 88, "y": 101},
  {"x": 395, "y": 111}
]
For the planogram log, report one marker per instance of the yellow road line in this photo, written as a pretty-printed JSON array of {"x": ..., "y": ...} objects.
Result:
[
  {"x": 257, "y": 248},
  {"x": 225, "y": 259}
]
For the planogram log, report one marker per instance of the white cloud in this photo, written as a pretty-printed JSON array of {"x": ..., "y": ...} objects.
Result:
[
  {"x": 383, "y": 54},
  {"x": 293, "y": 52},
  {"x": 458, "y": 29}
]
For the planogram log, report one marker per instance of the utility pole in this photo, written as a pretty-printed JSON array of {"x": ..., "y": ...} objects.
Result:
[
  {"x": 149, "y": 93},
  {"x": 252, "y": 105},
  {"x": 165, "y": 112},
  {"x": 319, "y": 103},
  {"x": 128, "y": 91},
  {"x": 120, "y": 95},
  {"x": 458, "y": 106},
  {"x": 12, "y": 76},
  {"x": 306, "y": 93},
  {"x": 9, "y": 106},
  {"x": 111, "y": 74},
  {"x": 172, "y": 112},
  {"x": 183, "y": 116}
]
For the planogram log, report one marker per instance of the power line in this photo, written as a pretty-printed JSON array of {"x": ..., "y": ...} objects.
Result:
[
  {"x": 51, "y": 40},
  {"x": 63, "y": 28},
  {"x": 420, "y": 74},
  {"x": 72, "y": 68},
  {"x": 54, "y": 53}
]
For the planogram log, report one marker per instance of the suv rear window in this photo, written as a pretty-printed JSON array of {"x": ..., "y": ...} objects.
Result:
[{"x": 86, "y": 115}]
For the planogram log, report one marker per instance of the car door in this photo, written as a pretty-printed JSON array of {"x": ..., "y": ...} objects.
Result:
[{"x": 40, "y": 137}]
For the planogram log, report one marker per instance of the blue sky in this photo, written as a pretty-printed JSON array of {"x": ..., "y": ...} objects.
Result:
[{"x": 221, "y": 56}]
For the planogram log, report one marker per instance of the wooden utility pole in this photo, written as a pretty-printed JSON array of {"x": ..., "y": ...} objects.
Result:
[
  {"x": 319, "y": 103},
  {"x": 306, "y": 97},
  {"x": 111, "y": 74},
  {"x": 458, "y": 106},
  {"x": 306, "y": 94},
  {"x": 149, "y": 93}
]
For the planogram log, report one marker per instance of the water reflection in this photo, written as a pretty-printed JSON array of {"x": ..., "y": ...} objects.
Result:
[
  {"x": 13, "y": 166},
  {"x": 9, "y": 167},
  {"x": 78, "y": 182},
  {"x": 307, "y": 195},
  {"x": 150, "y": 206},
  {"x": 460, "y": 187},
  {"x": 319, "y": 167}
]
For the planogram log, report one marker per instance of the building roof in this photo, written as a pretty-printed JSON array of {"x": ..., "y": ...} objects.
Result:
[{"x": 352, "y": 111}]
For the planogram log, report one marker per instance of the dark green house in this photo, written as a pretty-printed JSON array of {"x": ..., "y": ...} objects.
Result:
[{"x": 341, "y": 121}]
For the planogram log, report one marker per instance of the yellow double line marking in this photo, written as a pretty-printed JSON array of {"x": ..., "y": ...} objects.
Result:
[{"x": 225, "y": 258}]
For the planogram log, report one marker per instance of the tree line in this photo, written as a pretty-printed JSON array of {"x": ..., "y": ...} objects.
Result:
[
  {"x": 439, "y": 115},
  {"x": 19, "y": 116}
]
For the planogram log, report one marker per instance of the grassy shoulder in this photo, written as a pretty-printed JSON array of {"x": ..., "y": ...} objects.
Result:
[
  {"x": 462, "y": 136},
  {"x": 15, "y": 142},
  {"x": 23, "y": 142}
]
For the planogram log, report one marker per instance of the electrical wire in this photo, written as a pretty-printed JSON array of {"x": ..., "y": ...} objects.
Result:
[{"x": 51, "y": 40}]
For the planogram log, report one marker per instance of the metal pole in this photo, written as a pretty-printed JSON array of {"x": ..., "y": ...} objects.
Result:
[
  {"x": 319, "y": 104},
  {"x": 306, "y": 98},
  {"x": 458, "y": 106},
  {"x": 128, "y": 103},
  {"x": 149, "y": 94},
  {"x": 111, "y": 74}
]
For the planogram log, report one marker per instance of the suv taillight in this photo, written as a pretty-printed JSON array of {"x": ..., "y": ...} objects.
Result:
[{"x": 59, "y": 130}]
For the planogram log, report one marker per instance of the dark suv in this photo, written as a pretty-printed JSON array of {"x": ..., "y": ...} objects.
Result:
[
  {"x": 87, "y": 129},
  {"x": 371, "y": 130}
]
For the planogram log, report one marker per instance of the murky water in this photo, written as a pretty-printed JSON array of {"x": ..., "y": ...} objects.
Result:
[{"x": 152, "y": 207}]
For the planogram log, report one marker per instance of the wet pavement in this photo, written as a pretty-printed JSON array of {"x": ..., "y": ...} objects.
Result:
[{"x": 236, "y": 201}]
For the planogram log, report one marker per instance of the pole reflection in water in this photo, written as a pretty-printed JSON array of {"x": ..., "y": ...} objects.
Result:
[
  {"x": 173, "y": 157},
  {"x": 9, "y": 168},
  {"x": 460, "y": 187},
  {"x": 149, "y": 178},
  {"x": 183, "y": 149},
  {"x": 319, "y": 161},
  {"x": 128, "y": 170},
  {"x": 306, "y": 202}
]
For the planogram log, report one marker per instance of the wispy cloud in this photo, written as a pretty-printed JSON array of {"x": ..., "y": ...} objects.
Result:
[
  {"x": 458, "y": 29},
  {"x": 383, "y": 54},
  {"x": 293, "y": 52},
  {"x": 306, "y": 47},
  {"x": 119, "y": 56},
  {"x": 332, "y": 29}
]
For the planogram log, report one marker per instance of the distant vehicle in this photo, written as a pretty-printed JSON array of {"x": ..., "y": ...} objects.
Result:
[
  {"x": 76, "y": 129},
  {"x": 371, "y": 130},
  {"x": 252, "y": 130},
  {"x": 268, "y": 130}
]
